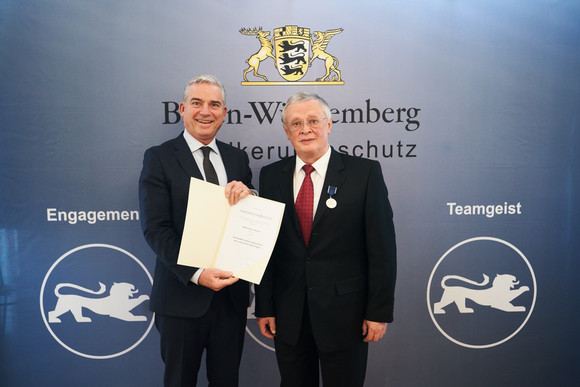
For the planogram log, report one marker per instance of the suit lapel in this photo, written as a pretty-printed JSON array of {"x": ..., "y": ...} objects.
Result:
[
  {"x": 225, "y": 155},
  {"x": 334, "y": 177},
  {"x": 286, "y": 184},
  {"x": 185, "y": 158}
]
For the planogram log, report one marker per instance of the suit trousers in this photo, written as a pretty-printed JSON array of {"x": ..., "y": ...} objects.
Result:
[
  {"x": 299, "y": 364},
  {"x": 220, "y": 332}
]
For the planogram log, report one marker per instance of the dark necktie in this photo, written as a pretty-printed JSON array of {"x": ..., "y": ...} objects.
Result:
[
  {"x": 305, "y": 204},
  {"x": 208, "y": 169}
]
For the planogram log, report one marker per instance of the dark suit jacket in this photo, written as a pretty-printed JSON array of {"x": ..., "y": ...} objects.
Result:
[
  {"x": 347, "y": 272},
  {"x": 163, "y": 193}
]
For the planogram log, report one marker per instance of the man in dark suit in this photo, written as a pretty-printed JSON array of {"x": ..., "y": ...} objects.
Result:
[
  {"x": 329, "y": 287},
  {"x": 196, "y": 309}
]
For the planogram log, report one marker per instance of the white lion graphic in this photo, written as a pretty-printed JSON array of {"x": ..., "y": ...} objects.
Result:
[
  {"x": 117, "y": 304},
  {"x": 498, "y": 296}
]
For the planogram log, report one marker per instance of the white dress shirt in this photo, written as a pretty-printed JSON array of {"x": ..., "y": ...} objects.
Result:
[
  {"x": 214, "y": 156},
  {"x": 317, "y": 176},
  {"x": 216, "y": 159}
]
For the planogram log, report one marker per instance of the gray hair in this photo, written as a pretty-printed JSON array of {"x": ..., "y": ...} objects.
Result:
[
  {"x": 303, "y": 96},
  {"x": 211, "y": 79}
]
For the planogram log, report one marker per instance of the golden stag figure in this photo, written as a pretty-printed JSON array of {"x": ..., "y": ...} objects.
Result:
[{"x": 263, "y": 53}]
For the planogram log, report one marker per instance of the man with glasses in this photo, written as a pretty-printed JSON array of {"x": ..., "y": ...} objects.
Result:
[{"x": 329, "y": 287}]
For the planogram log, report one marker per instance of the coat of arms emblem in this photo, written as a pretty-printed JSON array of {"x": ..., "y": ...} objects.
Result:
[{"x": 293, "y": 50}]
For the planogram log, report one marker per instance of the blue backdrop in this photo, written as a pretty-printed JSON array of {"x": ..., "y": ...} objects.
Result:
[{"x": 471, "y": 108}]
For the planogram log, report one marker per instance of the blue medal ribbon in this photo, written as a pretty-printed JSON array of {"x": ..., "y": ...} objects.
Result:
[{"x": 330, "y": 202}]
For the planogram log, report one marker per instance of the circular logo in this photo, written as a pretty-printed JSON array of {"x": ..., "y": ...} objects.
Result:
[
  {"x": 481, "y": 292},
  {"x": 94, "y": 301}
]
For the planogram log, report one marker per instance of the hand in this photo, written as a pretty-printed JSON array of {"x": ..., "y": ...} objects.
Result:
[
  {"x": 216, "y": 279},
  {"x": 236, "y": 190},
  {"x": 267, "y": 326},
  {"x": 373, "y": 331}
]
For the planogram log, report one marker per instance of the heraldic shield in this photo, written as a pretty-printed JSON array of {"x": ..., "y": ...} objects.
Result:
[{"x": 292, "y": 50}]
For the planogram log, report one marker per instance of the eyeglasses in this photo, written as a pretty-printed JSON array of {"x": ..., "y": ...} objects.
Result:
[{"x": 313, "y": 123}]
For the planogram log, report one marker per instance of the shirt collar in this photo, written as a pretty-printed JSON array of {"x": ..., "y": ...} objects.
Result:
[
  {"x": 320, "y": 165},
  {"x": 195, "y": 145}
]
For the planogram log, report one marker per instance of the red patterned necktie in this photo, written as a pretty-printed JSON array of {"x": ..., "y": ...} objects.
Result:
[{"x": 305, "y": 204}]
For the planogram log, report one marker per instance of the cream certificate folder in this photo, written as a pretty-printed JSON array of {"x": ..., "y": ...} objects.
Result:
[{"x": 238, "y": 238}]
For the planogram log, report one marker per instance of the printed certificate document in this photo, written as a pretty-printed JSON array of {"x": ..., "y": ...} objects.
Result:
[{"x": 237, "y": 238}]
